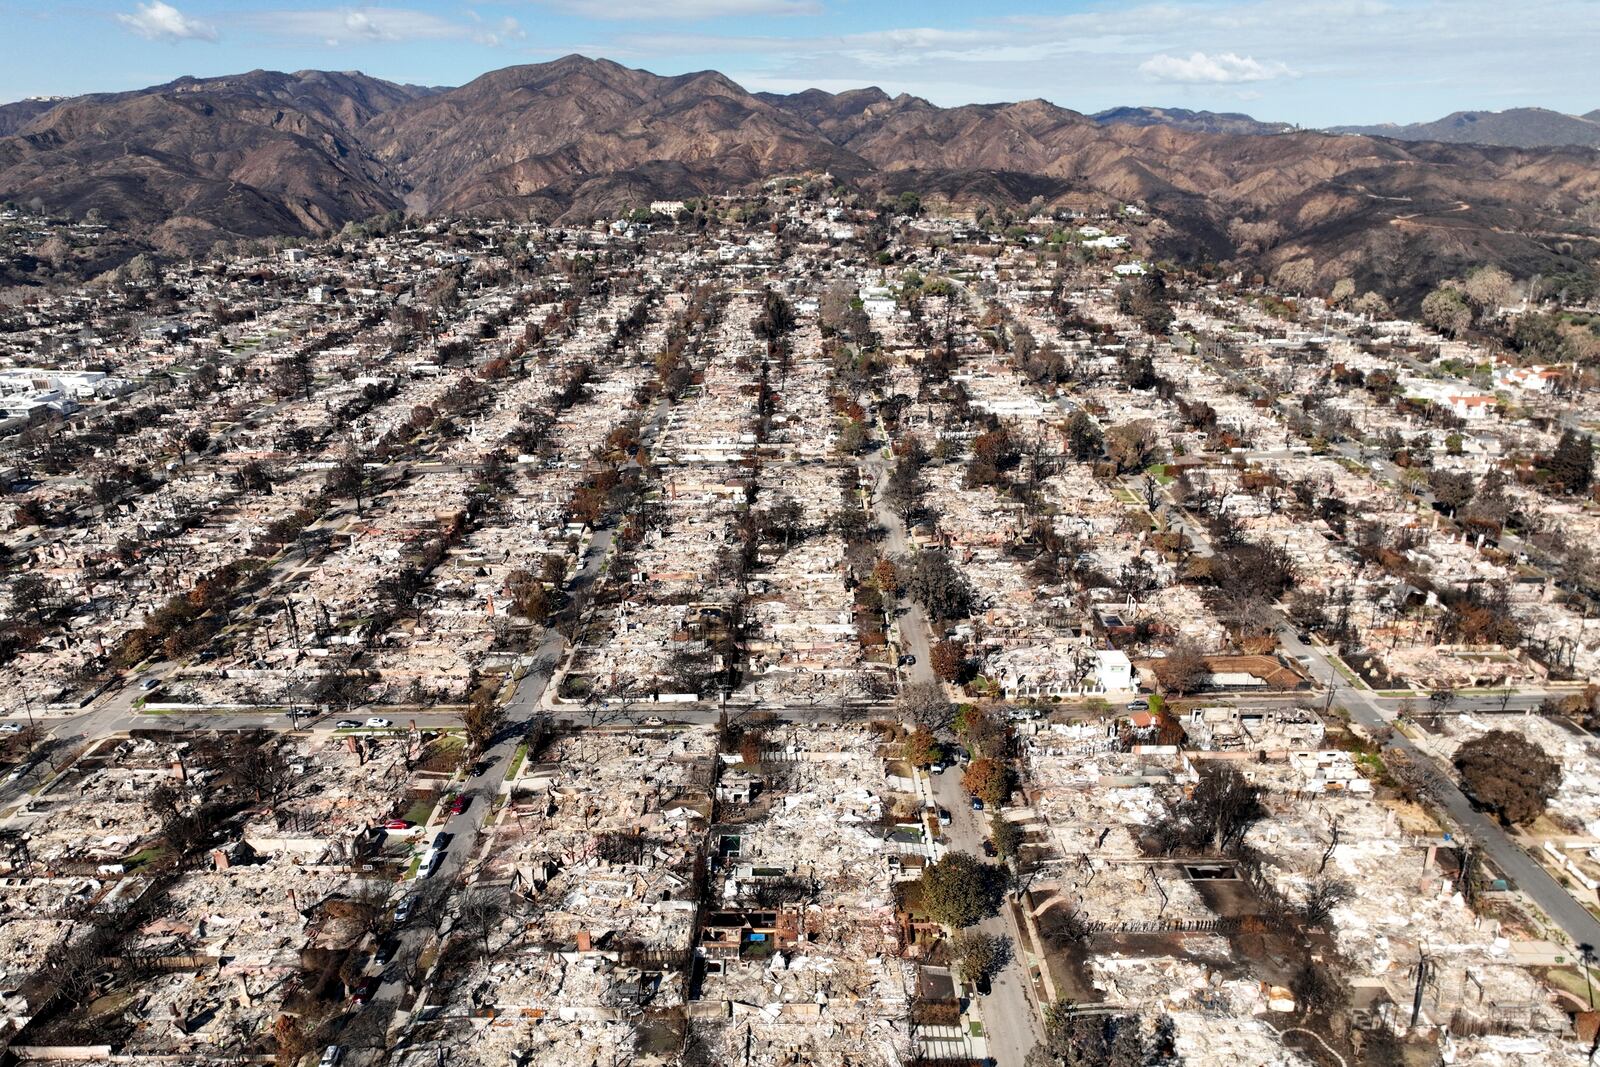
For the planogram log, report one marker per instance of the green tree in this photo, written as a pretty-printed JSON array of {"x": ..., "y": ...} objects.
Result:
[
  {"x": 933, "y": 581},
  {"x": 1083, "y": 438},
  {"x": 776, "y": 319},
  {"x": 1452, "y": 489},
  {"x": 1446, "y": 311},
  {"x": 1508, "y": 775},
  {"x": 1006, "y": 835},
  {"x": 1572, "y": 462},
  {"x": 980, "y": 955},
  {"x": 959, "y": 889}
]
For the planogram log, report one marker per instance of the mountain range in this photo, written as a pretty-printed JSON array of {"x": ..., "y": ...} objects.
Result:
[
  {"x": 194, "y": 161},
  {"x": 1518, "y": 127},
  {"x": 1193, "y": 121}
]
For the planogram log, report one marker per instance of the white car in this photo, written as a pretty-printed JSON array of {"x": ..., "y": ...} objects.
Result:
[
  {"x": 655, "y": 720},
  {"x": 376, "y": 723},
  {"x": 331, "y": 1056},
  {"x": 11, "y": 728}
]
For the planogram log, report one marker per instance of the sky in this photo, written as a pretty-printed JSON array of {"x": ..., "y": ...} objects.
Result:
[{"x": 1316, "y": 63}]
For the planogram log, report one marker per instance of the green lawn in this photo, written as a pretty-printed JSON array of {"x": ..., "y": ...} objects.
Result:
[
  {"x": 516, "y": 760},
  {"x": 143, "y": 856},
  {"x": 421, "y": 809},
  {"x": 1158, "y": 471}
]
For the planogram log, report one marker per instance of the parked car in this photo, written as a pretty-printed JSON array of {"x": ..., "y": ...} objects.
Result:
[
  {"x": 365, "y": 990},
  {"x": 402, "y": 910},
  {"x": 430, "y": 863},
  {"x": 397, "y": 824},
  {"x": 1139, "y": 705},
  {"x": 935, "y": 768},
  {"x": 459, "y": 804},
  {"x": 655, "y": 720},
  {"x": 988, "y": 847},
  {"x": 10, "y": 728},
  {"x": 944, "y": 817},
  {"x": 376, "y": 723},
  {"x": 442, "y": 839},
  {"x": 149, "y": 683},
  {"x": 386, "y": 950},
  {"x": 347, "y": 724},
  {"x": 331, "y": 1056},
  {"x": 908, "y": 661},
  {"x": 977, "y": 803}
]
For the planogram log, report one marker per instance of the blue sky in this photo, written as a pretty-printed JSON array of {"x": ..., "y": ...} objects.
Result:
[{"x": 1320, "y": 62}]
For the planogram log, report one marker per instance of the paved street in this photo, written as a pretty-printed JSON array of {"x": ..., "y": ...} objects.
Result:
[
  {"x": 1010, "y": 1020},
  {"x": 1505, "y": 853},
  {"x": 1010, "y": 1023}
]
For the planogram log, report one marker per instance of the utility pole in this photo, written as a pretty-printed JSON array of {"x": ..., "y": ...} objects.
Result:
[{"x": 1586, "y": 954}]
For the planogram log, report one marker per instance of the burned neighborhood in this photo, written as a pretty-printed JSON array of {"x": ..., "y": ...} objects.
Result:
[{"x": 793, "y": 627}]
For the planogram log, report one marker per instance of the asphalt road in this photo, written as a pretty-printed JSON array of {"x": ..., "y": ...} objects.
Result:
[
  {"x": 522, "y": 711},
  {"x": 1505, "y": 853},
  {"x": 912, "y": 621},
  {"x": 1010, "y": 1024}
]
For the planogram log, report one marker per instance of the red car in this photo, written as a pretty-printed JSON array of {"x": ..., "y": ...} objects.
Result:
[
  {"x": 365, "y": 990},
  {"x": 458, "y": 805},
  {"x": 397, "y": 824}
]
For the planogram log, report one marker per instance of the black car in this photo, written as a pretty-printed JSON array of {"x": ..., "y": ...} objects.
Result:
[{"x": 386, "y": 950}]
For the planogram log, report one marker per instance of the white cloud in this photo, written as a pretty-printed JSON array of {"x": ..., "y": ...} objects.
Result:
[
  {"x": 157, "y": 21},
  {"x": 505, "y": 31},
  {"x": 683, "y": 10},
  {"x": 383, "y": 25},
  {"x": 1223, "y": 68}
]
